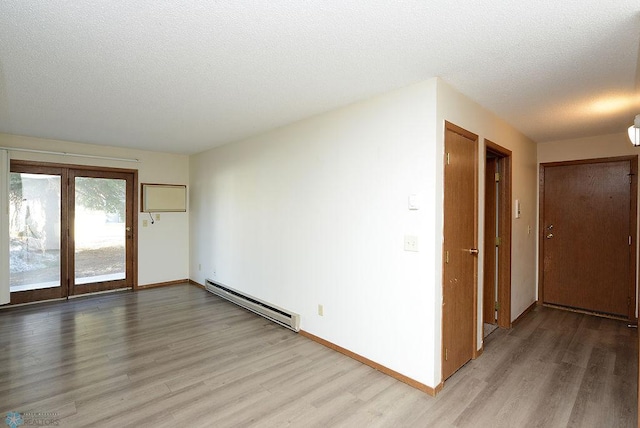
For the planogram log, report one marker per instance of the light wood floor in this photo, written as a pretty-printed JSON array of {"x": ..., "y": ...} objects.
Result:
[{"x": 179, "y": 356}]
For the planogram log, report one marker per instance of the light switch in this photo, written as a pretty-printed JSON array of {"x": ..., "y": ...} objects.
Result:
[
  {"x": 410, "y": 243},
  {"x": 414, "y": 203}
]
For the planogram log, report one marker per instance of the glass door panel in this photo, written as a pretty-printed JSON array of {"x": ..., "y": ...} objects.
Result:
[
  {"x": 99, "y": 230},
  {"x": 101, "y": 239},
  {"x": 35, "y": 256}
]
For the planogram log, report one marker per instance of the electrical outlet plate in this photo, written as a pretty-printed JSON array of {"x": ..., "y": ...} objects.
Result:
[{"x": 321, "y": 310}]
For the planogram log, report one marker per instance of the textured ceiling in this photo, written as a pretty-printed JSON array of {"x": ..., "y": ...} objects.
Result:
[{"x": 186, "y": 76}]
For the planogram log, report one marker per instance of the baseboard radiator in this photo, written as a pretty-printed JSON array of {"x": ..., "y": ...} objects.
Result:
[{"x": 278, "y": 315}]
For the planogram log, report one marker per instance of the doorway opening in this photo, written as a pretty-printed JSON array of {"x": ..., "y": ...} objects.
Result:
[
  {"x": 71, "y": 230},
  {"x": 497, "y": 239}
]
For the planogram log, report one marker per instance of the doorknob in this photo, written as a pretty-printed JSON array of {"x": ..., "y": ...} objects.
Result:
[
  {"x": 549, "y": 236},
  {"x": 472, "y": 250}
]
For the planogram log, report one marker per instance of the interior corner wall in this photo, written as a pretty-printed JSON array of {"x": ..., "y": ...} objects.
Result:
[
  {"x": 594, "y": 147},
  {"x": 163, "y": 248},
  {"x": 458, "y": 109},
  {"x": 315, "y": 213}
]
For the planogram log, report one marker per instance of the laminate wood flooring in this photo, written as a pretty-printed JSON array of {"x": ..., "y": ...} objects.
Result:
[{"x": 180, "y": 356}]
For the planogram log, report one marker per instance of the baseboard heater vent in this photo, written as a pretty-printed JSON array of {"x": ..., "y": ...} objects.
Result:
[{"x": 271, "y": 312}]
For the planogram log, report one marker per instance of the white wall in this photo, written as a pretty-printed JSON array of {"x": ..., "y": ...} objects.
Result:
[
  {"x": 163, "y": 248},
  {"x": 316, "y": 212},
  {"x": 601, "y": 146},
  {"x": 456, "y": 108}
]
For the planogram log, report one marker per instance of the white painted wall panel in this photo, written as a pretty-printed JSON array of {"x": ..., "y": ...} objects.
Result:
[{"x": 316, "y": 212}]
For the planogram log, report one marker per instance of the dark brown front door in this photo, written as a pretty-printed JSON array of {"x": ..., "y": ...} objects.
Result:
[
  {"x": 460, "y": 249},
  {"x": 587, "y": 235}
]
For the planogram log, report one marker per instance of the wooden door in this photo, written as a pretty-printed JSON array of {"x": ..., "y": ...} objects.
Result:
[
  {"x": 459, "y": 311},
  {"x": 497, "y": 245},
  {"x": 587, "y": 235}
]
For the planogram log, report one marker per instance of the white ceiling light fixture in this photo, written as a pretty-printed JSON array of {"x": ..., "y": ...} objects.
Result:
[{"x": 634, "y": 131}]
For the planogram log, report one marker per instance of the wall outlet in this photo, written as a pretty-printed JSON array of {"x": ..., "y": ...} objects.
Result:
[
  {"x": 321, "y": 310},
  {"x": 410, "y": 243},
  {"x": 145, "y": 223},
  {"x": 157, "y": 217},
  {"x": 199, "y": 266}
]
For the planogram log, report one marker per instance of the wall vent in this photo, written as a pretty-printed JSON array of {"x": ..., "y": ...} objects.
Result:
[{"x": 267, "y": 310}]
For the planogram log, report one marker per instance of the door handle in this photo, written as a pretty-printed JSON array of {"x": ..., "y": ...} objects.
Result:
[
  {"x": 549, "y": 236},
  {"x": 472, "y": 251}
]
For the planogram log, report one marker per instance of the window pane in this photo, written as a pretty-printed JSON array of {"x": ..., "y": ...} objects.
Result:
[
  {"x": 34, "y": 217},
  {"x": 100, "y": 205}
]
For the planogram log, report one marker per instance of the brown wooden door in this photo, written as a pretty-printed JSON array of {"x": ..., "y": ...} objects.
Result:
[
  {"x": 586, "y": 233},
  {"x": 497, "y": 233},
  {"x": 460, "y": 253}
]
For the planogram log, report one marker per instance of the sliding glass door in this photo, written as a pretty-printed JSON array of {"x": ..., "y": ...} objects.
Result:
[
  {"x": 71, "y": 231},
  {"x": 101, "y": 212},
  {"x": 37, "y": 260}
]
